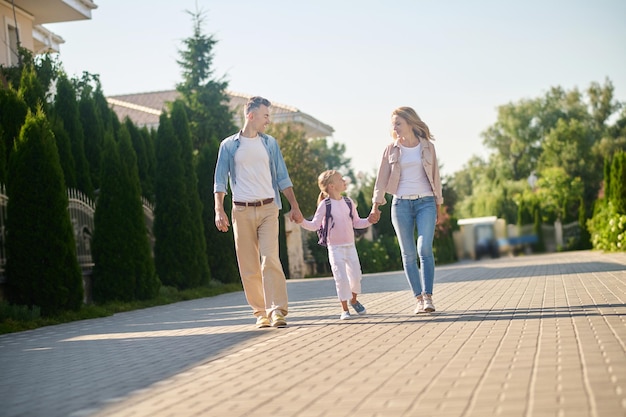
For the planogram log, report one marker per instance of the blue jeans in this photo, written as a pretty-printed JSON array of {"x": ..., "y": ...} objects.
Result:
[{"x": 405, "y": 216}]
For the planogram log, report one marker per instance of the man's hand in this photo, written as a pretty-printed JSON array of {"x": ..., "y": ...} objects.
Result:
[
  {"x": 295, "y": 215},
  {"x": 221, "y": 220}
]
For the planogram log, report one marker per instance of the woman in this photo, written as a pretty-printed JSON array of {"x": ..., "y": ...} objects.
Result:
[{"x": 410, "y": 172}]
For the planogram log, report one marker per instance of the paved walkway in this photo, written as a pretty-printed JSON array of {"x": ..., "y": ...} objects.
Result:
[{"x": 527, "y": 336}]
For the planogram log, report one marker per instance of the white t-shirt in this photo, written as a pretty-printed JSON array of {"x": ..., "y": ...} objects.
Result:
[
  {"x": 254, "y": 180},
  {"x": 413, "y": 179}
]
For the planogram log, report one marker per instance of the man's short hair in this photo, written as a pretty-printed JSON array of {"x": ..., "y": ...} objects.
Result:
[{"x": 256, "y": 102}]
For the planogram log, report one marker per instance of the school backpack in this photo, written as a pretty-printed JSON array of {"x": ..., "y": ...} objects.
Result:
[{"x": 322, "y": 232}]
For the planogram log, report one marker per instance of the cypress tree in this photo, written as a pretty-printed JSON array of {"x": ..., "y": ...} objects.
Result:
[
  {"x": 13, "y": 111},
  {"x": 107, "y": 115},
  {"x": 64, "y": 148},
  {"x": 585, "y": 238},
  {"x": 112, "y": 277},
  {"x": 147, "y": 284},
  {"x": 42, "y": 268},
  {"x": 139, "y": 147},
  {"x": 171, "y": 209},
  {"x": 220, "y": 247},
  {"x": 205, "y": 96},
  {"x": 198, "y": 268},
  {"x": 149, "y": 138},
  {"x": 607, "y": 179},
  {"x": 540, "y": 245},
  {"x": 31, "y": 89},
  {"x": 3, "y": 162},
  {"x": 123, "y": 268},
  {"x": 93, "y": 133},
  {"x": 66, "y": 109},
  {"x": 618, "y": 182}
]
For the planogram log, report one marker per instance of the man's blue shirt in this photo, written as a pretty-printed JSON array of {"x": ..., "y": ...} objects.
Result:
[{"x": 226, "y": 165}]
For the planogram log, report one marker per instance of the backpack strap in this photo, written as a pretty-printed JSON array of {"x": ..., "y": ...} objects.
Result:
[
  {"x": 349, "y": 203},
  {"x": 322, "y": 233},
  {"x": 328, "y": 216}
]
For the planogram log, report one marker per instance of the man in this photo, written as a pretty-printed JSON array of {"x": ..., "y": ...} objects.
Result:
[{"x": 258, "y": 174}]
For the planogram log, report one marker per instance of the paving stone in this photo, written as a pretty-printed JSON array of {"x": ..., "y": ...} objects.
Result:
[{"x": 526, "y": 336}]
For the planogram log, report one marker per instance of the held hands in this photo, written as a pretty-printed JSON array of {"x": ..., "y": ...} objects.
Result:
[
  {"x": 374, "y": 216},
  {"x": 295, "y": 215}
]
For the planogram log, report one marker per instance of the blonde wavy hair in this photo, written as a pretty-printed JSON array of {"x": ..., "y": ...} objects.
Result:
[
  {"x": 323, "y": 181},
  {"x": 419, "y": 127}
]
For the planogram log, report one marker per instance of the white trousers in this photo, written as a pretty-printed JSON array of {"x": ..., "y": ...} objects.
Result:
[{"x": 344, "y": 262}]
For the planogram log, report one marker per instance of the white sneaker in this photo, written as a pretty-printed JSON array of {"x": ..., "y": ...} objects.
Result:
[
  {"x": 419, "y": 308},
  {"x": 345, "y": 316},
  {"x": 429, "y": 307}
]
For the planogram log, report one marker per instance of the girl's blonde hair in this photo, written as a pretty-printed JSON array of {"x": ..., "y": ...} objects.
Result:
[
  {"x": 323, "y": 181},
  {"x": 419, "y": 127}
]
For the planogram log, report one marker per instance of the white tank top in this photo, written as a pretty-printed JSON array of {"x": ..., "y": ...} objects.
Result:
[{"x": 413, "y": 179}]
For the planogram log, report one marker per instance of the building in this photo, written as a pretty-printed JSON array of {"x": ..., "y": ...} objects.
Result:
[
  {"x": 144, "y": 109},
  {"x": 22, "y": 22}
]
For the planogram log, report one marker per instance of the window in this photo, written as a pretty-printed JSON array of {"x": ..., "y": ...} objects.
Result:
[{"x": 13, "y": 57}]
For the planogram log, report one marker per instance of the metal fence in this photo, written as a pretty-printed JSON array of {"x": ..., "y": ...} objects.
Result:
[{"x": 82, "y": 210}]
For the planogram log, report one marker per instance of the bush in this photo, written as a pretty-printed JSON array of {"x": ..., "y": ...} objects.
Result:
[
  {"x": 380, "y": 255},
  {"x": 18, "y": 312},
  {"x": 607, "y": 228}
]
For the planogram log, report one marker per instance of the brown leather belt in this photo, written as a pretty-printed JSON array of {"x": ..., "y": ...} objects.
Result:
[{"x": 254, "y": 203}]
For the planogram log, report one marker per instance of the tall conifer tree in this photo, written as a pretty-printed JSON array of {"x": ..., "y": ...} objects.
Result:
[
  {"x": 123, "y": 267},
  {"x": 210, "y": 120},
  {"x": 220, "y": 246},
  {"x": 93, "y": 132},
  {"x": 42, "y": 267},
  {"x": 171, "y": 210},
  {"x": 196, "y": 246},
  {"x": 66, "y": 109}
]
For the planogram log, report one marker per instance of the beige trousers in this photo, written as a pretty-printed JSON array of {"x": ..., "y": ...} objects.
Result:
[{"x": 256, "y": 244}]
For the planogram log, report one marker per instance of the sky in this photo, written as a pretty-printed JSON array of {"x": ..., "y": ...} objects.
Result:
[{"x": 350, "y": 63}]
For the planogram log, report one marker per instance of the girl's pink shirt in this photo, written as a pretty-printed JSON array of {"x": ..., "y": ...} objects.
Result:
[{"x": 341, "y": 225}]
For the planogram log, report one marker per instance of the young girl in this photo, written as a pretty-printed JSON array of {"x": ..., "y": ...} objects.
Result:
[{"x": 342, "y": 254}]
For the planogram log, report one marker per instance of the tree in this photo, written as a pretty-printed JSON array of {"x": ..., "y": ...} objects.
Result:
[
  {"x": 333, "y": 156},
  {"x": 602, "y": 103},
  {"x": 143, "y": 158},
  {"x": 66, "y": 110},
  {"x": 64, "y": 148},
  {"x": 566, "y": 146},
  {"x": 303, "y": 164},
  {"x": 171, "y": 210},
  {"x": 617, "y": 192},
  {"x": 557, "y": 190},
  {"x": 220, "y": 247},
  {"x": 123, "y": 268},
  {"x": 607, "y": 226},
  {"x": 12, "y": 116},
  {"x": 515, "y": 138},
  {"x": 93, "y": 132},
  {"x": 42, "y": 268},
  {"x": 204, "y": 96},
  {"x": 31, "y": 89},
  {"x": 147, "y": 185},
  {"x": 198, "y": 267},
  {"x": 563, "y": 129}
]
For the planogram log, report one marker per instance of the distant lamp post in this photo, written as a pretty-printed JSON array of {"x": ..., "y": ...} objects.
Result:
[{"x": 532, "y": 180}]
